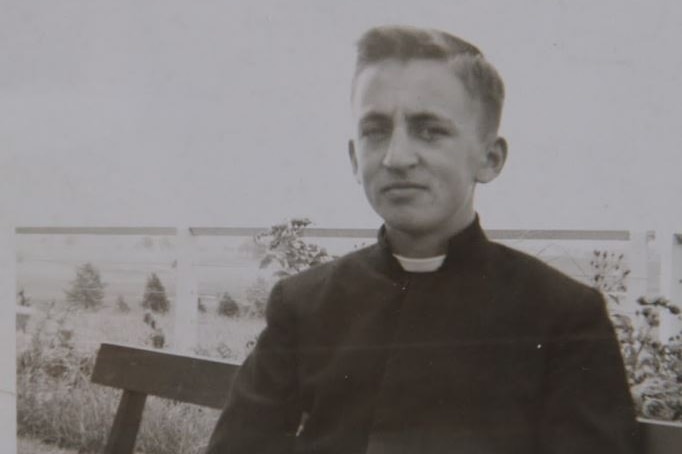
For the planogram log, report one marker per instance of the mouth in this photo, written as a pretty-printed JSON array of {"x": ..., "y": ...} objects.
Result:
[{"x": 403, "y": 186}]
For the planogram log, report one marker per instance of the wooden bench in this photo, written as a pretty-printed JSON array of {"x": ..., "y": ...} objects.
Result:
[{"x": 142, "y": 372}]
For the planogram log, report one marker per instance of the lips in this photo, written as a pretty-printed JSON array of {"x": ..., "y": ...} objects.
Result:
[{"x": 402, "y": 186}]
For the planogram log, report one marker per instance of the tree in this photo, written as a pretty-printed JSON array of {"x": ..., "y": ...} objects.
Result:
[
  {"x": 22, "y": 299},
  {"x": 154, "y": 297},
  {"x": 257, "y": 295},
  {"x": 227, "y": 306},
  {"x": 87, "y": 289},
  {"x": 201, "y": 307},
  {"x": 284, "y": 246},
  {"x": 609, "y": 274},
  {"x": 121, "y": 304}
]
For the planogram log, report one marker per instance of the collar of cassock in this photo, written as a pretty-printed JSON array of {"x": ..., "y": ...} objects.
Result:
[{"x": 465, "y": 249}]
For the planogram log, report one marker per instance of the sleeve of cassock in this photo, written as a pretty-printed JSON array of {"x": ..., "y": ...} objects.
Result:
[
  {"x": 262, "y": 412},
  {"x": 588, "y": 407}
]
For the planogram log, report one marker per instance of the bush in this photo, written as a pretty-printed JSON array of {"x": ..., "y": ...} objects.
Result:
[
  {"x": 87, "y": 289},
  {"x": 56, "y": 402},
  {"x": 284, "y": 246},
  {"x": 122, "y": 305},
  {"x": 609, "y": 274},
  {"x": 654, "y": 368},
  {"x": 157, "y": 338},
  {"x": 227, "y": 306},
  {"x": 22, "y": 299},
  {"x": 257, "y": 295},
  {"x": 154, "y": 297}
]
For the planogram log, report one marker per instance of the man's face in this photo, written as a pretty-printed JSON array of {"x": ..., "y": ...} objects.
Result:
[{"x": 418, "y": 150}]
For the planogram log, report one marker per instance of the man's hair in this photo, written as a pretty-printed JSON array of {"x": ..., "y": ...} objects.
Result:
[{"x": 403, "y": 43}]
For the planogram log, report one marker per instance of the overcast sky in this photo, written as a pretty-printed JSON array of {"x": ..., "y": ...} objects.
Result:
[{"x": 236, "y": 113}]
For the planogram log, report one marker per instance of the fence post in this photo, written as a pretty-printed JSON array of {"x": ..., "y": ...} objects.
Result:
[
  {"x": 667, "y": 244},
  {"x": 185, "y": 306},
  {"x": 8, "y": 385},
  {"x": 642, "y": 280},
  {"x": 671, "y": 280}
]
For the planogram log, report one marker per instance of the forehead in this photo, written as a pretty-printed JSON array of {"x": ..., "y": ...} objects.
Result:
[{"x": 414, "y": 86}]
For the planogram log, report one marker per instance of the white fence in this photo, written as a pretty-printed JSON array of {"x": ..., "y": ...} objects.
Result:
[{"x": 569, "y": 250}]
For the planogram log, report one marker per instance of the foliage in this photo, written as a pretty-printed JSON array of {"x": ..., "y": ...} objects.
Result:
[
  {"x": 257, "y": 296},
  {"x": 58, "y": 405},
  {"x": 654, "y": 368},
  {"x": 227, "y": 306},
  {"x": 285, "y": 247},
  {"x": 155, "y": 298},
  {"x": 22, "y": 299},
  {"x": 87, "y": 289},
  {"x": 122, "y": 305},
  {"x": 157, "y": 338},
  {"x": 51, "y": 378},
  {"x": 609, "y": 274}
]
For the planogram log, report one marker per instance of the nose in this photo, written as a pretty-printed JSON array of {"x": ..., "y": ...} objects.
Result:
[{"x": 400, "y": 153}]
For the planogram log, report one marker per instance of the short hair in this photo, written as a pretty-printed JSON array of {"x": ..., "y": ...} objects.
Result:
[{"x": 479, "y": 77}]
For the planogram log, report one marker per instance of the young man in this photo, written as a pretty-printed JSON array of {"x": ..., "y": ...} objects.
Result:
[{"x": 434, "y": 340}]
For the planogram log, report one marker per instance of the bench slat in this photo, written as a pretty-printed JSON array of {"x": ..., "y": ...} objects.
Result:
[
  {"x": 199, "y": 381},
  {"x": 141, "y": 372},
  {"x": 661, "y": 437}
]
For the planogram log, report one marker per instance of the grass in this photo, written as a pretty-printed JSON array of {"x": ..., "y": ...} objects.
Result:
[
  {"x": 31, "y": 446},
  {"x": 59, "y": 408}
]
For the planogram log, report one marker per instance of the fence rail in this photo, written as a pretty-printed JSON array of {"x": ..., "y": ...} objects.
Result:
[{"x": 647, "y": 269}]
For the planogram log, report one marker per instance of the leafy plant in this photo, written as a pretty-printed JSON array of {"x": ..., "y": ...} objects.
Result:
[
  {"x": 654, "y": 368},
  {"x": 201, "y": 307},
  {"x": 227, "y": 306},
  {"x": 155, "y": 298},
  {"x": 157, "y": 338},
  {"x": 285, "y": 247},
  {"x": 609, "y": 274},
  {"x": 87, "y": 289},
  {"x": 257, "y": 296},
  {"x": 22, "y": 299},
  {"x": 122, "y": 305}
]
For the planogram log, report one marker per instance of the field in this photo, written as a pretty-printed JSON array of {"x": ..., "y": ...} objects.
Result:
[{"x": 57, "y": 406}]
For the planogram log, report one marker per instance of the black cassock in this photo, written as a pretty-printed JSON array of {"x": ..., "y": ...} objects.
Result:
[{"x": 495, "y": 352}]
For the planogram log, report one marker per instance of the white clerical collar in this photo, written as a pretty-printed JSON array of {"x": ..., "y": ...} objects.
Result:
[{"x": 420, "y": 265}]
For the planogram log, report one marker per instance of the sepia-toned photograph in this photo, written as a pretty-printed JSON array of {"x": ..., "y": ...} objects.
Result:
[{"x": 378, "y": 227}]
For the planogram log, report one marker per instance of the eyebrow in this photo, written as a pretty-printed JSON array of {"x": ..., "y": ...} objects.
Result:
[
  {"x": 426, "y": 117},
  {"x": 374, "y": 116}
]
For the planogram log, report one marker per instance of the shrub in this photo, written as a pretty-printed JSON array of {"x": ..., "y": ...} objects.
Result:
[
  {"x": 654, "y": 368},
  {"x": 56, "y": 402},
  {"x": 156, "y": 338},
  {"x": 257, "y": 295},
  {"x": 154, "y": 297},
  {"x": 87, "y": 289},
  {"x": 227, "y": 306},
  {"x": 284, "y": 246},
  {"x": 609, "y": 274},
  {"x": 122, "y": 305},
  {"x": 22, "y": 299}
]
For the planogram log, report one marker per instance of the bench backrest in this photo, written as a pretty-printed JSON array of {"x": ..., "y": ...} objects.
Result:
[{"x": 142, "y": 372}]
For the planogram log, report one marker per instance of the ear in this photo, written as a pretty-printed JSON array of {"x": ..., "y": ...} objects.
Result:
[
  {"x": 493, "y": 161},
  {"x": 353, "y": 160}
]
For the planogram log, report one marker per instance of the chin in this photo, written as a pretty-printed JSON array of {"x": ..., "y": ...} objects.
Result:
[{"x": 409, "y": 223}]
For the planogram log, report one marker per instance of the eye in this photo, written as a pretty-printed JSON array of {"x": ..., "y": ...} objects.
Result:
[
  {"x": 375, "y": 132},
  {"x": 430, "y": 133}
]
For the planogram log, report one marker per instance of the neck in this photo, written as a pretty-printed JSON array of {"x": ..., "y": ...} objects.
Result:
[{"x": 423, "y": 244}]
